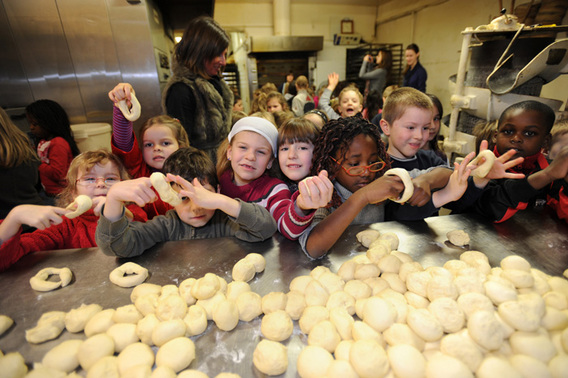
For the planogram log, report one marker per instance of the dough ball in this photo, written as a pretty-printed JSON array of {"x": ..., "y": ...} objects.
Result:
[
  {"x": 123, "y": 334},
  {"x": 519, "y": 278},
  {"x": 163, "y": 372},
  {"x": 363, "y": 331},
  {"x": 13, "y": 365},
  {"x": 226, "y": 315},
  {"x": 100, "y": 322},
  {"x": 146, "y": 304},
  {"x": 458, "y": 237},
  {"x": 341, "y": 299},
  {"x": 485, "y": 329},
  {"x": 469, "y": 284},
  {"x": 461, "y": 346},
  {"x": 249, "y": 305},
  {"x": 341, "y": 369},
  {"x": 235, "y": 288},
  {"x": 274, "y": 301},
  {"x": 379, "y": 314},
  {"x": 77, "y": 318},
  {"x": 332, "y": 282},
  {"x": 313, "y": 361},
  {"x": 554, "y": 319},
  {"x": 104, "y": 367},
  {"x": 210, "y": 304},
  {"x": 145, "y": 327},
  {"x": 389, "y": 264},
  {"x": 401, "y": 334},
  {"x": 134, "y": 355},
  {"x": 515, "y": 262},
  {"x": 425, "y": 324},
  {"x": 343, "y": 322},
  {"x": 277, "y": 326},
  {"x": 295, "y": 304},
  {"x": 444, "y": 366},
  {"x": 391, "y": 238},
  {"x": 556, "y": 299},
  {"x": 205, "y": 287},
  {"x": 49, "y": 326},
  {"x": 168, "y": 330},
  {"x": 377, "y": 284},
  {"x": 195, "y": 321},
  {"x": 366, "y": 237},
  {"x": 558, "y": 365},
  {"x": 143, "y": 289},
  {"x": 325, "y": 335},
  {"x": 171, "y": 307},
  {"x": 127, "y": 314},
  {"x": 454, "y": 266},
  {"x": 358, "y": 289},
  {"x": 93, "y": 349},
  {"x": 63, "y": 357},
  {"x": 176, "y": 354},
  {"x": 311, "y": 316},
  {"x": 417, "y": 282},
  {"x": 441, "y": 287},
  {"x": 416, "y": 300},
  {"x": 257, "y": 260},
  {"x": 316, "y": 294},
  {"x": 270, "y": 357},
  {"x": 128, "y": 274},
  {"x": 377, "y": 252},
  {"x": 347, "y": 270},
  {"x": 185, "y": 291},
  {"x": 477, "y": 260},
  {"x": 368, "y": 358},
  {"x": 191, "y": 373},
  {"x": 394, "y": 282},
  {"x": 499, "y": 292},
  {"x": 318, "y": 271},
  {"x": 520, "y": 316},
  {"x": 406, "y": 361},
  {"x": 530, "y": 366},
  {"x": 493, "y": 366},
  {"x": 342, "y": 350},
  {"x": 534, "y": 344},
  {"x": 448, "y": 313},
  {"x": 5, "y": 323},
  {"x": 364, "y": 271},
  {"x": 299, "y": 283},
  {"x": 243, "y": 270}
]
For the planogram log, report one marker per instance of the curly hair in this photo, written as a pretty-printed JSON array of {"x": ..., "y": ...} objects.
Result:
[{"x": 335, "y": 138}]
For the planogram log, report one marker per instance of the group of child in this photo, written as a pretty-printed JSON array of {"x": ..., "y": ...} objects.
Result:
[{"x": 307, "y": 182}]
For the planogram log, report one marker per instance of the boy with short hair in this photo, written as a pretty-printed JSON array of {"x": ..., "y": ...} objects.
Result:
[
  {"x": 525, "y": 128},
  {"x": 203, "y": 213}
]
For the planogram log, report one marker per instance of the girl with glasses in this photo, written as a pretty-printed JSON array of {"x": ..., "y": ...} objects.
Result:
[{"x": 91, "y": 174}]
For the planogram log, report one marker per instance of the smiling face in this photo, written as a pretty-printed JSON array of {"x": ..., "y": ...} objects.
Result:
[
  {"x": 191, "y": 213},
  {"x": 101, "y": 172},
  {"x": 363, "y": 151},
  {"x": 408, "y": 133},
  {"x": 350, "y": 104},
  {"x": 411, "y": 57},
  {"x": 295, "y": 159},
  {"x": 273, "y": 105},
  {"x": 435, "y": 126},
  {"x": 158, "y": 143},
  {"x": 214, "y": 66},
  {"x": 522, "y": 130},
  {"x": 250, "y": 155}
]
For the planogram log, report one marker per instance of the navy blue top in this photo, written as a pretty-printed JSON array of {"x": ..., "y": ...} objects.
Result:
[{"x": 416, "y": 78}]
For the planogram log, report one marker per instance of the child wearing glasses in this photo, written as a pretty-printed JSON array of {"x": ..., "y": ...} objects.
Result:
[
  {"x": 351, "y": 150},
  {"x": 91, "y": 173}
]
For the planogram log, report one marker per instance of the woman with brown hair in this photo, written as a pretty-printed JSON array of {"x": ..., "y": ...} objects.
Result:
[
  {"x": 415, "y": 75},
  {"x": 376, "y": 76},
  {"x": 196, "y": 94}
]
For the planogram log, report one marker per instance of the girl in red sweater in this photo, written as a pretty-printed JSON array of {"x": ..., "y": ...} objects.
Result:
[{"x": 90, "y": 174}]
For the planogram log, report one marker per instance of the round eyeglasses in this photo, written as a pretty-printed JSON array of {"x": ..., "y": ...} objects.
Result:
[
  {"x": 361, "y": 169},
  {"x": 92, "y": 181}
]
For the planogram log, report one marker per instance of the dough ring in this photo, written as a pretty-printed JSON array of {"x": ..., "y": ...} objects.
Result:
[
  {"x": 406, "y": 180},
  {"x": 83, "y": 203},
  {"x": 482, "y": 170},
  {"x": 128, "y": 275},
  {"x": 164, "y": 189},
  {"x": 133, "y": 113},
  {"x": 39, "y": 282}
]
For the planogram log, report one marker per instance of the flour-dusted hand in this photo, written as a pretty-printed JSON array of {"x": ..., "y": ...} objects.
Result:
[
  {"x": 315, "y": 191},
  {"x": 457, "y": 184}
]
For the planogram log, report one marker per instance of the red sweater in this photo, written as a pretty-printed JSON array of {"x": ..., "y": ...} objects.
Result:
[
  {"x": 71, "y": 233},
  {"x": 274, "y": 195},
  {"x": 56, "y": 156}
]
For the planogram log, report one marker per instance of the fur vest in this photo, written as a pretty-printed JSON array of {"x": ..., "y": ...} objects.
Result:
[{"x": 213, "y": 110}]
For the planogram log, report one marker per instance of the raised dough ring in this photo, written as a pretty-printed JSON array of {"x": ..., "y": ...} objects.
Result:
[
  {"x": 83, "y": 204},
  {"x": 133, "y": 113},
  {"x": 128, "y": 275},
  {"x": 39, "y": 282},
  {"x": 406, "y": 180},
  {"x": 164, "y": 189},
  {"x": 482, "y": 170}
]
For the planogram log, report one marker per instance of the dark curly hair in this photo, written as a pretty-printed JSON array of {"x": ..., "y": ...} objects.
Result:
[{"x": 336, "y": 137}]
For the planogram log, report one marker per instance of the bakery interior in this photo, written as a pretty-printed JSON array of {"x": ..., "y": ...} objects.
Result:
[{"x": 73, "y": 52}]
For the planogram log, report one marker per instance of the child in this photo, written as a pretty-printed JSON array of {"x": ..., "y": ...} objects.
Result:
[
  {"x": 317, "y": 117},
  {"x": 434, "y": 131},
  {"x": 386, "y": 93},
  {"x": 56, "y": 148},
  {"x": 18, "y": 167},
  {"x": 559, "y": 139},
  {"x": 351, "y": 150},
  {"x": 243, "y": 164},
  {"x": 350, "y": 99},
  {"x": 259, "y": 103},
  {"x": 158, "y": 138},
  {"x": 524, "y": 128},
  {"x": 238, "y": 104},
  {"x": 91, "y": 173},
  {"x": 302, "y": 98},
  {"x": 296, "y": 140},
  {"x": 276, "y": 102},
  {"x": 203, "y": 213}
]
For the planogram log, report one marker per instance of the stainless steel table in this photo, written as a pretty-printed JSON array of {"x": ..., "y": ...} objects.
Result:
[{"x": 538, "y": 237}]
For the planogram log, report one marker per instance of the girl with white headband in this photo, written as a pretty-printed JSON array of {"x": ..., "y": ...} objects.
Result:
[{"x": 244, "y": 163}]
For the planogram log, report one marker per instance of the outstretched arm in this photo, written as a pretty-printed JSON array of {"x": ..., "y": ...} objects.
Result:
[
  {"x": 37, "y": 216},
  {"x": 138, "y": 191}
]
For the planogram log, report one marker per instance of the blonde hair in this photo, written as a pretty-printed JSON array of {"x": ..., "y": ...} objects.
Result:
[
  {"x": 259, "y": 103},
  {"x": 282, "y": 116},
  {"x": 403, "y": 98},
  {"x": 85, "y": 162},
  {"x": 280, "y": 97},
  {"x": 269, "y": 87},
  {"x": 388, "y": 90},
  {"x": 15, "y": 147},
  {"x": 173, "y": 124},
  {"x": 302, "y": 82},
  {"x": 266, "y": 115},
  {"x": 351, "y": 87}
]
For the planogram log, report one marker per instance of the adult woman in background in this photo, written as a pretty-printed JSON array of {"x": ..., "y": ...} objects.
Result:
[
  {"x": 376, "y": 76},
  {"x": 415, "y": 75},
  {"x": 196, "y": 94},
  {"x": 18, "y": 168}
]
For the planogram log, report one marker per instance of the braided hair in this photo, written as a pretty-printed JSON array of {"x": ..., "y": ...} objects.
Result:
[{"x": 335, "y": 138}]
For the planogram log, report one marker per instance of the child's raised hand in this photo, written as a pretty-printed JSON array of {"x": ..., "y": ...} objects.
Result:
[
  {"x": 381, "y": 189},
  {"x": 195, "y": 191},
  {"x": 558, "y": 168},
  {"x": 457, "y": 184},
  {"x": 121, "y": 92},
  {"x": 315, "y": 191},
  {"x": 40, "y": 217},
  {"x": 332, "y": 80},
  {"x": 501, "y": 165},
  {"x": 138, "y": 191}
]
